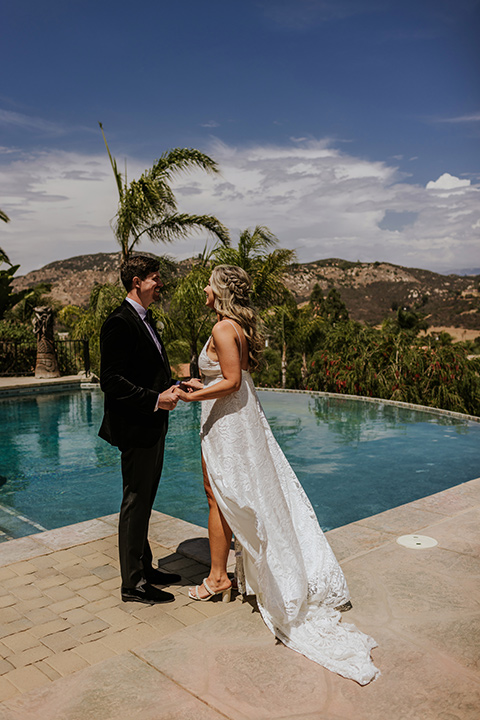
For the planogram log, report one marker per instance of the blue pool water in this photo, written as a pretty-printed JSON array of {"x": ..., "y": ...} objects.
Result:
[{"x": 353, "y": 458}]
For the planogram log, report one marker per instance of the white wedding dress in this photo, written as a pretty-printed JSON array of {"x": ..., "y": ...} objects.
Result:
[{"x": 287, "y": 560}]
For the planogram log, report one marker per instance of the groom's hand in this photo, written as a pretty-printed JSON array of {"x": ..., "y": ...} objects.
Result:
[{"x": 167, "y": 400}]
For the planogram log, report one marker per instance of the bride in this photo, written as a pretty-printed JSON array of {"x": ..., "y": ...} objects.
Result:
[{"x": 253, "y": 491}]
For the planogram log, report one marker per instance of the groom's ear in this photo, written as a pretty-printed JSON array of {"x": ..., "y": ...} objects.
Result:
[{"x": 135, "y": 282}]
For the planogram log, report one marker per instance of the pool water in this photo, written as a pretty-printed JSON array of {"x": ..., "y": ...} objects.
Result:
[{"x": 354, "y": 458}]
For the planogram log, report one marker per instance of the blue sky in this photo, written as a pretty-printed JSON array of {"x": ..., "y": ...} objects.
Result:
[{"x": 350, "y": 127}]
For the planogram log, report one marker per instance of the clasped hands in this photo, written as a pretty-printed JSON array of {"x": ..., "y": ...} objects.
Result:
[{"x": 168, "y": 399}]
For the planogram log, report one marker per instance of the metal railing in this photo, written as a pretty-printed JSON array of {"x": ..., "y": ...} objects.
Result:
[{"x": 19, "y": 358}]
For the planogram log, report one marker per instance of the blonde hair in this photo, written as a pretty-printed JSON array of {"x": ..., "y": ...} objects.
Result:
[{"x": 231, "y": 287}]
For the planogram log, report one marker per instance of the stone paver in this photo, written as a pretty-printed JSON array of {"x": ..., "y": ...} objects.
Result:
[{"x": 70, "y": 647}]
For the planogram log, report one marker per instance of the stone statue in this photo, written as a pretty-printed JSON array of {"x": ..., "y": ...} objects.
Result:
[{"x": 47, "y": 365}]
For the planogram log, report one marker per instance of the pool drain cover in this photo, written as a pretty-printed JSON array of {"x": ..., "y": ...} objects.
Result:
[{"x": 417, "y": 542}]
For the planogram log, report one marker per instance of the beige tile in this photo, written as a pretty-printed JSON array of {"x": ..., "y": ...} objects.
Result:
[
  {"x": 44, "y": 561},
  {"x": 20, "y": 641},
  {"x": 37, "y": 603},
  {"x": 78, "y": 534},
  {"x": 5, "y": 666},
  {"x": 401, "y": 520},
  {"x": 86, "y": 580},
  {"x": 69, "y": 604},
  {"x": 29, "y": 657},
  {"x": 67, "y": 662},
  {"x": 92, "y": 593},
  {"x": 77, "y": 616},
  {"x": 47, "y": 670},
  {"x": 187, "y": 614},
  {"x": 116, "y": 618},
  {"x": 18, "y": 581},
  {"x": 351, "y": 540},
  {"x": 49, "y": 628},
  {"x": 7, "y": 690},
  {"x": 23, "y": 568},
  {"x": 106, "y": 572},
  {"x": 60, "y": 641},
  {"x": 58, "y": 593},
  {"x": 6, "y": 573},
  {"x": 52, "y": 580},
  {"x": 38, "y": 616},
  {"x": 112, "y": 584},
  {"x": 106, "y": 602},
  {"x": 17, "y": 550},
  {"x": 63, "y": 557},
  {"x": 73, "y": 572},
  {"x": 7, "y": 601},
  {"x": 9, "y": 614},
  {"x": 109, "y": 690},
  {"x": 82, "y": 632},
  {"x": 95, "y": 652},
  {"x": 28, "y": 592},
  {"x": 14, "y": 627},
  {"x": 27, "y": 678}
]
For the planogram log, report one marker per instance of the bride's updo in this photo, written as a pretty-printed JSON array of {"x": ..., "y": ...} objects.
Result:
[{"x": 231, "y": 287}]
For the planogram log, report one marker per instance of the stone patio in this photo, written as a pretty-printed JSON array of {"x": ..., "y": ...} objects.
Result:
[{"x": 71, "y": 650}]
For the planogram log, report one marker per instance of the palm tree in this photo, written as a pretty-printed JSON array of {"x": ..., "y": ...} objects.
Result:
[
  {"x": 3, "y": 254},
  {"x": 148, "y": 206},
  {"x": 265, "y": 267},
  {"x": 189, "y": 312}
]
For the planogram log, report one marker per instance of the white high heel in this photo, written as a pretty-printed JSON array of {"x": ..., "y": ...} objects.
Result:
[{"x": 226, "y": 594}]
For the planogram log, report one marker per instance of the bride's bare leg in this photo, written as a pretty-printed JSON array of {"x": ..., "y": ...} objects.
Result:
[{"x": 220, "y": 538}]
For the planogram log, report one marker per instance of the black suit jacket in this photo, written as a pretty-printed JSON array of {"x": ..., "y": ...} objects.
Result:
[{"x": 132, "y": 374}]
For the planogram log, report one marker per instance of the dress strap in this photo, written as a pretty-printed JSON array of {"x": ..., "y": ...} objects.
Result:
[{"x": 238, "y": 335}]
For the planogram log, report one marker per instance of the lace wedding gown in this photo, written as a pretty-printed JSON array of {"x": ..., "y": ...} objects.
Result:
[{"x": 287, "y": 560}]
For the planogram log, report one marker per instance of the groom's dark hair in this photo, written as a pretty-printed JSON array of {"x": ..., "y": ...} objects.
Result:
[{"x": 137, "y": 266}]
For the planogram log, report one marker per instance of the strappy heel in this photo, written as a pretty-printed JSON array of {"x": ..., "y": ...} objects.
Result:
[{"x": 226, "y": 594}]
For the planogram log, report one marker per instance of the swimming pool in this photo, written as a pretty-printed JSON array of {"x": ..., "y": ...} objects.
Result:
[{"x": 353, "y": 458}]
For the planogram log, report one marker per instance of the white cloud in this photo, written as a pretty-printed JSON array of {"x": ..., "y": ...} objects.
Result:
[
  {"x": 475, "y": 117},
  {"x": 447, "y": 182},
  {"x": 315, "y": 198}
]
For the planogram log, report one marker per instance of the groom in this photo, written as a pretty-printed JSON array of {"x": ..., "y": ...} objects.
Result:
[{"x": 136, "y": 379}]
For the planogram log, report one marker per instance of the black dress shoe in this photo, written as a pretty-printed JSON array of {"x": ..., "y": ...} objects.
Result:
[
  {"x": 146, "y": 594},
  {"x": 157, "y": 577}
]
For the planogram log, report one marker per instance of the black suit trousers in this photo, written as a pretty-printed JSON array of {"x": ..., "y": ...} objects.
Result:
[{"x": 141, "y": 470}]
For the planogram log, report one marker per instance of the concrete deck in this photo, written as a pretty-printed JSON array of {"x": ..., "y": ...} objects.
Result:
[
  {"x": 71, "y": 650},
  {"x": 28, "y": 385}
]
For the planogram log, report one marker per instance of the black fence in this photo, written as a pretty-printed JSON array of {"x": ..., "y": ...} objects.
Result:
[{"x": 19, "y": 358}]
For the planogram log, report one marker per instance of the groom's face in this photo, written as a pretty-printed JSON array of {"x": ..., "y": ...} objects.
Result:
[{"x": 149, "y": 288}]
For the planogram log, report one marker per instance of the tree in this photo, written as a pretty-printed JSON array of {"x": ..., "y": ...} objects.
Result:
[
  {"x": 280, "y": 327},
  {"x": 265, "y": 267},
  {"x": 189, "y": 312},
  {"x": 148, "y": 207},
  {"x": 334, "y": 309},
  {"x": 3, "y": 254},
  {"x": 8, "y": 298}
]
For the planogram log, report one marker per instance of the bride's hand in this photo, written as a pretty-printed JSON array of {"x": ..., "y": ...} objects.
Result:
[
  {"x": 192, "y": 384},
  {"x": 185, "y": 396}
]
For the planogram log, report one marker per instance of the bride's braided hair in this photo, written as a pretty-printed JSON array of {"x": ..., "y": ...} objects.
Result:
[{"x": 232, "y": 286}]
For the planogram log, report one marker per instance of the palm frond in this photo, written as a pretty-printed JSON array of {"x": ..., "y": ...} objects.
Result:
[
  {"x": 113, "y": 163},
  {"x": 180, "y": 225},
  {"x": 182, "y": 160}
]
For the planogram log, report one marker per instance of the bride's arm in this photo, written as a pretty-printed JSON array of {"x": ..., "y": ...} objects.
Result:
[{"x": 229, "y": 358}]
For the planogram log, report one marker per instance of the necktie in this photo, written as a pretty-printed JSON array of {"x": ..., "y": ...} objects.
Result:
[{"x": 150, "y": 323}]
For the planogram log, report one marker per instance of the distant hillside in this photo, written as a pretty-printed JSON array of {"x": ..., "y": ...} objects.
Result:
[{"x": 371, "y": 291}]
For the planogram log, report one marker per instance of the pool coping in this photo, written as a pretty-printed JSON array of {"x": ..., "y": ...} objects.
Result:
[
  {"x": 378, "y": 401},
  {"x": 18, "y": 386}
]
